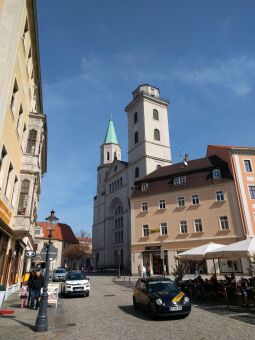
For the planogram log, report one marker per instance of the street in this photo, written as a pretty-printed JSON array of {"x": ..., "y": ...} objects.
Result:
[{"x": 108, "y": 314}]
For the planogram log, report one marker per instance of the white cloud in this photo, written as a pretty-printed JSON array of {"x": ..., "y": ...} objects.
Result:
[{"x": 237, "y": 75}]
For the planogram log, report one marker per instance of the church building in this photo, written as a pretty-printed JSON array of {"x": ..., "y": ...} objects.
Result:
[{"x": 148, "y": 150}]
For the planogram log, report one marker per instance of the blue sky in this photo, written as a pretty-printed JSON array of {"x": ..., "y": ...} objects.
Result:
[{"x": 200, "y": 53}]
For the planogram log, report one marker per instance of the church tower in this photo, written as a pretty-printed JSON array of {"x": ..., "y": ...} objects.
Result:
[
  {"x": 148, "y": 132},
  {"x": 110, "y": 150}
]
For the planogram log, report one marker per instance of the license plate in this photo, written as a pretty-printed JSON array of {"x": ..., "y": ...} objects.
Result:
[
  {"x": 78, "y": 289},
  {"x": 175, "y": 308}
]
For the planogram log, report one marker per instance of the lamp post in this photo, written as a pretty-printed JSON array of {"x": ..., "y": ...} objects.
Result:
[
  {"x": 119, "y": 263},
  {"x": 162, "y": 253},
  {"x": 41, "y": 324}
]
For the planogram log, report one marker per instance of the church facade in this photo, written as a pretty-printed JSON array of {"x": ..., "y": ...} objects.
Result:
[{"x": 148, "y": 150}]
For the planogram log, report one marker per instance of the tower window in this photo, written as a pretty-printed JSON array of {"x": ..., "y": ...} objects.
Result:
[
  {"x": 155, "y": 114},
  {"x": 136, "y": 172},
  {"x": 156, "y": 135},
  {"x": 108, "y": 156},
  {"x": 135, "y": 117},
  {"x": 136, "y": 137}
]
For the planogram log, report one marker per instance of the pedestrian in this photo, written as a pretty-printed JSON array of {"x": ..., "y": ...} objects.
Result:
[
  {"x": 36, "y": 285},
  {"x": 144, "y": 271},
  {"x": 148, "y": 270},
  {"x": 23, "y": 294},
  {"x": 140, "y": 269}
]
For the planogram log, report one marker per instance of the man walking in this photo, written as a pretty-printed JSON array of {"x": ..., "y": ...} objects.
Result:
[{"x": 36, "y": 285}]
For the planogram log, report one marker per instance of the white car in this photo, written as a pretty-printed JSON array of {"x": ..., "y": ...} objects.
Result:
[{"x": 76, "y": 283}]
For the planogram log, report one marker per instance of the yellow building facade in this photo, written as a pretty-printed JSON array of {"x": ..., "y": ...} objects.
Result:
[
  {"x": 183, "y": 206},
  {"x": 23, "y": 137}
]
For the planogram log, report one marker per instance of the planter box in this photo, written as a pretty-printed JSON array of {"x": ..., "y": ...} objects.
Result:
[{"x": 2, "y": 293}]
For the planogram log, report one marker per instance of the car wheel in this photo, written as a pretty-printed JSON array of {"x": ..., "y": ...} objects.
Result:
[
  {"x": 135, "y": 304},
  {"x": 153, "y": 311},
  {"x": 88, "y": 293}
]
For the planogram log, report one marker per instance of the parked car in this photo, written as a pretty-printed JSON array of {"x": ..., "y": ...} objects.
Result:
[
  {"x": 161, "y": 297},
  {"x": 76, "y": 283},
  {"x": 58, "y": 274}
]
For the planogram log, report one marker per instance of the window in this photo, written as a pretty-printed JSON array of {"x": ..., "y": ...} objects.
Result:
[
  {"x": 156, "y": 135},
  {"x": 155, "y": 114},
  {"x": 3, "y": 165},
  {"x": 19, "y": 120},
  {"x": 219, "y": 196},
  {"x": 252, "y": 191},
  {"x": 136, "y": 137},
  {"x": 198, "y": 225},
  {"x": 108, "y": 155},
  {"x": 195, "y": 199},
  {"x": 180, "y": 180},
  {"x": 13, "y": 98},
  {"x": 144, "y": 206},
  {"x": 8, "y": 185},
  {"x": 14, "y": 191},
  {"x": 216, "y": 173},
  {"x": 115, "y": 157},
  {"x": 135, "y": 117},
  {"x": 181, "y": 201},
  {"x": 31, "y": 143},
  {"x": 136, "y": 172},
  {"x": 224, "y": 223},
  {"x": 144, "y": 187},
  {"x": 145, "y": 230},
  {"x": 163, "y": 228},
  {"x": 162, "y": 204},
  {"x": 247, "y": 165},
  {"x": 23, "y": 197},
  {"x": 183, "y": 227}
]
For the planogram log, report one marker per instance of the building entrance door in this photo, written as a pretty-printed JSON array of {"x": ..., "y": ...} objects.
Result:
[{"x": 158, "y": 263}]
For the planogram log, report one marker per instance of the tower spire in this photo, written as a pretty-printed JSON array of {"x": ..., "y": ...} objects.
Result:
[{"x": 110, "y": 137}]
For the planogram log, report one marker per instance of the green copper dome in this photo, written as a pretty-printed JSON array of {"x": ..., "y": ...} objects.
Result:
[{"x": 110, "y": 136}]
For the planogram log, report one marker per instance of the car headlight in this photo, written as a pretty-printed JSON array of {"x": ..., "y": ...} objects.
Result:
[
  {"x": 159, "y": 302},
  {"x": 186, "y": 299}
]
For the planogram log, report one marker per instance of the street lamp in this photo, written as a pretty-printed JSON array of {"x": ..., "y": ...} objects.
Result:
[
  {"x": 119, "y": 263},
  {"x": 41, "y": 324},
  {"x": 162, "y": 255}
]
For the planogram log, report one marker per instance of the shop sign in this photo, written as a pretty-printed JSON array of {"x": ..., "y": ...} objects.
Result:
[
  {"x": 5, "y": 213},
  {"x": 154, "y": 230},
  {"x": 152, "y": 248}
]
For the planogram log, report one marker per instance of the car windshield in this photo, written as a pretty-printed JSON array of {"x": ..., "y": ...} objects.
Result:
[
  {"x": 161, "y": 286},
  {"x": 60, "y": 271},
  {"x": 75, "y": 276}
]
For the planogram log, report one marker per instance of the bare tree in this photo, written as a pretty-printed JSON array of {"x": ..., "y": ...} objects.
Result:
[
  {"x": 77, "y": 251},
  {"x": 83, "y": 233}
]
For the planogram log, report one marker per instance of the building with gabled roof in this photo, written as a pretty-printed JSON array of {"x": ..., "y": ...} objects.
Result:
[
  {"x": 62, "y": 237},
  {"x": 189, "y": 204}
]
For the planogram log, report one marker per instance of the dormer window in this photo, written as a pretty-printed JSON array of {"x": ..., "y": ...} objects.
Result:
[
  {"x": 180, "y": 180},
  {"x": 144, "y": 187},
  {"x": 216, "y": 173}
]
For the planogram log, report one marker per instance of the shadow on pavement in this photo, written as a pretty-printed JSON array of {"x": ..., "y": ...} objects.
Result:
[
  {"x": 143, "y": 315},
  {"x": 243, "y": 314},
  {"x": 28, "y": 325},
  {"x": 129, "y": 309}
]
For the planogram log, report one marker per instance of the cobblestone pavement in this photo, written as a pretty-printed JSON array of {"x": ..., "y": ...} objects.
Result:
[
  {"x": 108, "y": 314},
  {"x": 21, "y": 324}
]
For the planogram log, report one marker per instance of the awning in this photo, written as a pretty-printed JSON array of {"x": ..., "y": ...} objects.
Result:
[
  {"x": 244, "y": 248},
  {"x": 198, "y": 253}
]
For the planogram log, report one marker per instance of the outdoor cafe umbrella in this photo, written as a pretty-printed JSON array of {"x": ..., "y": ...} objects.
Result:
[
  {"x": 243, "y": 248},
  {"x": 198, "y": 253}
]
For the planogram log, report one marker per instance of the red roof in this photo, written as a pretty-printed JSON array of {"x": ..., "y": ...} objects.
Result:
[{"x": 63, "y": 232}]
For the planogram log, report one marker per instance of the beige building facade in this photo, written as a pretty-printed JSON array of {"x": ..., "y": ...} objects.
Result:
[
  {"x": 183, "y": 206},
  {"x": 23, "y": 137}
]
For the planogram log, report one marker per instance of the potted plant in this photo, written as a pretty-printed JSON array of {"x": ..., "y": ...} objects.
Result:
[{"x": 2, "y": 293}]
